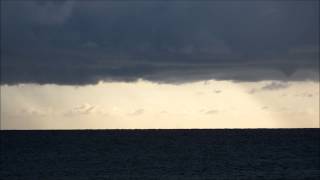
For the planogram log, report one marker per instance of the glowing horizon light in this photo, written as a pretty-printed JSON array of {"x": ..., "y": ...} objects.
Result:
[{"x": 148, "y": 105}]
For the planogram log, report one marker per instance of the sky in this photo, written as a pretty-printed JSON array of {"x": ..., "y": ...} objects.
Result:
[{"x": 158, "y": 64}]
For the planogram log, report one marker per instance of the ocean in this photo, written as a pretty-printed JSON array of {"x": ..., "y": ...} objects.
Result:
[{"x": 160, "y": 154}]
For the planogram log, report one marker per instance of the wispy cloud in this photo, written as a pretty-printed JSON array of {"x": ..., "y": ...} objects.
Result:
[
  {"x": 210, "y": 112},
  {"x": 137, "y": 112},
  {"x": 275, "y": 86},
  {"x": 32, "y": 111},
  {"x": 85, "y": 109}
]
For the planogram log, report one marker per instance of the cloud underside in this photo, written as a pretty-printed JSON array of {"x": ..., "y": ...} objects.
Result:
[
  {"x": 82, "y": 76},
  {"x": 77, "y": 42}
]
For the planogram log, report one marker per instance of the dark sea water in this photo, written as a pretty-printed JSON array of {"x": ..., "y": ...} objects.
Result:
[{"x": 161, "y": 154}]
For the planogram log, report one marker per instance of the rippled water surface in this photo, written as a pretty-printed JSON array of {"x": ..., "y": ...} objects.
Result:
[{"x": 161, "y": 154}]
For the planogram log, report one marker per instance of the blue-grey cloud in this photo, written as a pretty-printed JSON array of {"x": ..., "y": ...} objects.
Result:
[
  {"x": 275, "y": 86},
  {"x": 82, "y": 42}
]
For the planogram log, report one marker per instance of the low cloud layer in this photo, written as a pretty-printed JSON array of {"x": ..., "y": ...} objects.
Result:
[{"x": 80, "y": 42}]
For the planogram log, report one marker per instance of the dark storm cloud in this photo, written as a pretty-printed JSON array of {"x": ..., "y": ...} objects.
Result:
[{"x": 82, "y": 42}]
